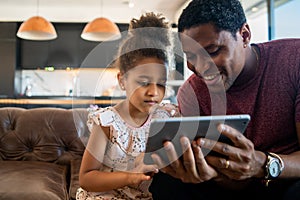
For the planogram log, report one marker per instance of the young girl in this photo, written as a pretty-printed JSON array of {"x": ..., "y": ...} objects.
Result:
[{"x": 112, "y": 166}]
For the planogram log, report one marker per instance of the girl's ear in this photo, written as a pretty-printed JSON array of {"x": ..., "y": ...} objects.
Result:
[{"x": 121, "y": 81}]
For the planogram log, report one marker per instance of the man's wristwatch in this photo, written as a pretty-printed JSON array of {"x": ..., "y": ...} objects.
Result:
[{"x": 273, "y": 167}]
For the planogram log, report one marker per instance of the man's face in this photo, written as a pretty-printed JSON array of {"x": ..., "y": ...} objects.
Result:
[{"x": 217, "y": 57}]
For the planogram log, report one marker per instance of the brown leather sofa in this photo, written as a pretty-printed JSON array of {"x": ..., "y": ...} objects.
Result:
[{"x": 40, "y": 152}]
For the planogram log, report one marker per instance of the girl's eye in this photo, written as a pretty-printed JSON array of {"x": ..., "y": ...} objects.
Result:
[
  {"x": 143, "y": 83},
  {"x": 161, "y": 85},
  {"x": 146, "y": 83}
]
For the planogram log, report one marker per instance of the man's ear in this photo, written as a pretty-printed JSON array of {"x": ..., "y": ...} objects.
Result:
[
  {"x": 121, "y": 80},
  {"x": 245, "y": 33}
]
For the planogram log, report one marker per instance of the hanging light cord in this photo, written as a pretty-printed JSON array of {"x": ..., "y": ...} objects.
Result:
[
  {"x": 37, "y": 7},
  {"x": 101, "y": 8}
]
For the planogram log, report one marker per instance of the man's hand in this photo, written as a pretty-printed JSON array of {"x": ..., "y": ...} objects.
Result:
[
  {"x": 239, "y": 161},
  {"x": 192, "y": 169}
]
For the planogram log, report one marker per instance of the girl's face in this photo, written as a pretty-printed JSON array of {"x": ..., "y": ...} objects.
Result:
[{"x": 145, "y": 84}]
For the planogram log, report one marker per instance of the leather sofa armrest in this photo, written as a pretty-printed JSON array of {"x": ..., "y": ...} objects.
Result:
[{"x": 74, "y": 178}]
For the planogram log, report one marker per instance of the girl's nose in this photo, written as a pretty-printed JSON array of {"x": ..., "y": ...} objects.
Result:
[{"x": 152, "y": 89}]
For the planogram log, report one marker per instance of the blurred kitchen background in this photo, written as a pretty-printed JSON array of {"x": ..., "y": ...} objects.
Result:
[{"x": 71, "y": 66}]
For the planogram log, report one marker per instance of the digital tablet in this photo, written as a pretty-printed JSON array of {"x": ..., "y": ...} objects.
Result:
[{"x": 172, "y": 129}]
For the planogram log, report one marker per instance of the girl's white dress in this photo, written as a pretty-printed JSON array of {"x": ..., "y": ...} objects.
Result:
[{"x": 123, "y": 151}]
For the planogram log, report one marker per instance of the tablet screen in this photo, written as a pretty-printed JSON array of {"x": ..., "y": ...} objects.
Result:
[{"x": 172, "y": 129}]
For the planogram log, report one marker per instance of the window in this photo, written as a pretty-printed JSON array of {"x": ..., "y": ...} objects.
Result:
[{"x": 286, "y": 16}]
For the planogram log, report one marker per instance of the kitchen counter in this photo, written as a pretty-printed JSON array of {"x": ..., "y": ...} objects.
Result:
[{"x": 59, "y": 101}]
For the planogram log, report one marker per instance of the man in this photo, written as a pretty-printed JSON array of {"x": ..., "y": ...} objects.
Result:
[{"x": 232, "y": 76}]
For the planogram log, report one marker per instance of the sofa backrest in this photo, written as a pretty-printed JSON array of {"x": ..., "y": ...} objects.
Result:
[{"x": 42, "y": 134}]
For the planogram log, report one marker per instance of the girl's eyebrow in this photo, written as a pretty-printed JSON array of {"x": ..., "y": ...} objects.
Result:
[
  {"x": 147, "y": 77},
  {"x": 144, "y": 76}
]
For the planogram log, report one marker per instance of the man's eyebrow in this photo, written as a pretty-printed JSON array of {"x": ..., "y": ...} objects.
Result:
[{"x": 201, "y": 51}]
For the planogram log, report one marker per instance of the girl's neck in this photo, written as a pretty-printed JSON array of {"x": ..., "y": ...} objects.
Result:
[{"x": 131, "y": 115}]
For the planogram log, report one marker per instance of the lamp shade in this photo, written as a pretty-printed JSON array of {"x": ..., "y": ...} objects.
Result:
[
  {"x": 37, "y": 28},
  {"x": 101, "y": 29}
]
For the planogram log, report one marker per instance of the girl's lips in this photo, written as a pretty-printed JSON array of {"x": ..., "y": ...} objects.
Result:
[{"x": 151, "y": 102}]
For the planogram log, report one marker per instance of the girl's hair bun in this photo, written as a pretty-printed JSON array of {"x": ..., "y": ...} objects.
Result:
[
  {"x": 148, "y": 36},
  {"x": 150, "y": 25},
  {"x": 149, "y": 20}
]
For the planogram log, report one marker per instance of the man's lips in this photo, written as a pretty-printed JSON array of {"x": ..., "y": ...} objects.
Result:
[
  {"x": 212, "y": 78},
  {"x": 208, "y": 76}
]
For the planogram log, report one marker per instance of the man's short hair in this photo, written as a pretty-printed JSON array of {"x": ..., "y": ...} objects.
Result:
[{"x": 227, "y": 15}]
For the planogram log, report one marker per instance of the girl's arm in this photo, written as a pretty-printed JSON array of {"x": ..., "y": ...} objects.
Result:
[{"x": 93, "y": 180}]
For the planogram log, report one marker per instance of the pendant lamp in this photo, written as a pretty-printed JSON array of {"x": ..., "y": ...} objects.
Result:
[
  {"x": 37, "y": 28},
  {"x": 101, "y": 29}
]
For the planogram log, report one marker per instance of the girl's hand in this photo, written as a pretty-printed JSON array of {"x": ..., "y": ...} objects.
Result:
[
  {"x": 142, "y": 173},
  {"x": 172, "y": 109}
]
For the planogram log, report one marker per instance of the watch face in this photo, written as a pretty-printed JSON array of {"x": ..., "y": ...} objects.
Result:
[{"x": 274, "y": 169}]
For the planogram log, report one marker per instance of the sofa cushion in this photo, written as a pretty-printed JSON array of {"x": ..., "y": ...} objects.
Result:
[
  {"x": 74, "y": 179},
  {"x": 32, "y": 180}
]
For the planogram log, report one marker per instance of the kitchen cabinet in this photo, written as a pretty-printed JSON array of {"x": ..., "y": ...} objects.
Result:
[
  {"x": 67, "y": 50},
  {"x": 8, "y": 59}
]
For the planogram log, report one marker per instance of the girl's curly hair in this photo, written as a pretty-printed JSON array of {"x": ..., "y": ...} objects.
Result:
[{"x": 147, "y": 36}]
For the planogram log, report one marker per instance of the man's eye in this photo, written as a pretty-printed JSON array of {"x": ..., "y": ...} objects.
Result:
[{"x": 214, "y": 53}]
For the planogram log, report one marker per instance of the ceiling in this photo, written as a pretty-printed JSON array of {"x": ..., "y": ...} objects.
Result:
[{"x": 87, "y": 10}]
